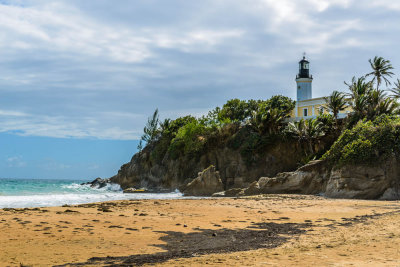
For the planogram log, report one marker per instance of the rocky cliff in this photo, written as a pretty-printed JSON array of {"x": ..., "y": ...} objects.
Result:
[
  {"x": 234, "y": 169},
  {"x": 348, "y": 181}
]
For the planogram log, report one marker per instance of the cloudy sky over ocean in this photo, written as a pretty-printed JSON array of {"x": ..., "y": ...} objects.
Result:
[{"x": 78, "y": 79}]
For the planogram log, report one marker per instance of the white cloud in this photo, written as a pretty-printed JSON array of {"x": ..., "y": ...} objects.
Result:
[
  {"x": 71, "y": 70},
  {"x": 384, "y": 4},
  {"x": 61, "y": 27},
  {"x": 52, "y": 165},
  {"x": 67, "y": 127},
  {"x": 15, "y": 161}
]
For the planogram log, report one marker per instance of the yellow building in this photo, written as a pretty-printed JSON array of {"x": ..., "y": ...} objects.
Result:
[{"x": 306, "y": 106}]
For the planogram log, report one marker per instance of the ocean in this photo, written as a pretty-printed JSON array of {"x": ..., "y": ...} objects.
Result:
[{"x": 28, "y": 193}]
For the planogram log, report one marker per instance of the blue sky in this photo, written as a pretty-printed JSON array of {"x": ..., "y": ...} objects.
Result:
[{"x": 78, "y": 79}]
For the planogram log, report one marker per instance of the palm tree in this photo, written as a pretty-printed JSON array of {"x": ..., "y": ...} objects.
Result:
[
  {"x": 375, "y": 98},
  {"x": 306, "y": 131},
  {"x": 360, "y": 91},
  {"x": 268, "y": 120},
  {"x": 335, "y": 103},
  {"x": 387, "y": 106},
  {"x": 396, "y": 90},
  {"x": 381, "y": 69}
]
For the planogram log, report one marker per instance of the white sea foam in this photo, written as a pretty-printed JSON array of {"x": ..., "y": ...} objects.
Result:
[
  {"x": 76, "y": 198},
  {"x": 87, "y": 187}
]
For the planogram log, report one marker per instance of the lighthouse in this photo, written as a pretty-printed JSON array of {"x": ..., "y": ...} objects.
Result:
[
  {"x": 304, "y": 80},
  {"x": 306, "y": 106}
]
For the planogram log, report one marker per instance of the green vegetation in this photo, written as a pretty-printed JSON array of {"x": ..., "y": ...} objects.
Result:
[
  {"x": 150, "y": 131},
  {"x": 396, "y": 90},
  {"x": 251, "y": 127},
  {"x": 248, "y": 126},
  {"x": 381, "y": 69},
  {"x": 367, "y": 142},
  {"x": 335, "y": 103},
  {"x": 371, "y": 132},
  {"x": 306, "y": 132}
]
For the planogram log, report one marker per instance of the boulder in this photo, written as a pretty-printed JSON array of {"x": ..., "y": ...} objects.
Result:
[
  {"x": 234, "y": 192},
  {"x": 390, "y": 194},
  {"x": 207, "y": 183},
  {"x": 309, "y": 179},
  {"x": 253, "y": 189}
]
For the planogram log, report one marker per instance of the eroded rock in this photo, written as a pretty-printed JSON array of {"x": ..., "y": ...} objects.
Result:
[{"x": 207, "y": 183}]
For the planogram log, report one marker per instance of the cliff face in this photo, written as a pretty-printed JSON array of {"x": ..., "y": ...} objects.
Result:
[
  {"x": 348, "y": 181},
  {"x": 234, "y": 170}
]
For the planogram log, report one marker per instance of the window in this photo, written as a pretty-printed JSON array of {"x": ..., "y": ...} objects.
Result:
[{"x": 305, "y": 112}]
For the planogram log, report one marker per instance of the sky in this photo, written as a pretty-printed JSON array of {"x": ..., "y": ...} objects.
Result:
[{"x": 78, "y": 79}]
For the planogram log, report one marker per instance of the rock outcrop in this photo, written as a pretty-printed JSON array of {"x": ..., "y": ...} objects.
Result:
[
  {"x": 309, "y": 179},
  {"x": 207, "y": 183},
  {"x": 365, "y": 182},
  {"x": 318, "y": 177},
  {"x": 143, "y": 172},
  {"x": 98, "y": 183}
]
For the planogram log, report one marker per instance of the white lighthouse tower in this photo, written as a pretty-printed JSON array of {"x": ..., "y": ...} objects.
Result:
[{"x": 304, "y": 80}]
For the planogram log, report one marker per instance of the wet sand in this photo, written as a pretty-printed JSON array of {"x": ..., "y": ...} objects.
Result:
[{"x": 268, "y": 230}]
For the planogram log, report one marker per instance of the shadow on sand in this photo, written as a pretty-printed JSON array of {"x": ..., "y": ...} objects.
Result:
[{"x": 207, "y": 241}]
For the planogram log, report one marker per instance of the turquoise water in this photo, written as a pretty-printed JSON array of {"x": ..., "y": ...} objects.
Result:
[
  {"x": 16, "y": 187},
  {"x": 24, "y": 193}
]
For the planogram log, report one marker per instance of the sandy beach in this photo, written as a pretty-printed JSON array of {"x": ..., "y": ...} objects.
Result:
[{"x": 266, "y": 230}]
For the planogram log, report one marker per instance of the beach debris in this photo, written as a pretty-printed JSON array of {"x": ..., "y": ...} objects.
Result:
[
  {"x": 115, "y": 226},
  {"x": 132, "y": 229},
  {"x": 134, "y": 190},
  {"x": 71, "y": 211}
]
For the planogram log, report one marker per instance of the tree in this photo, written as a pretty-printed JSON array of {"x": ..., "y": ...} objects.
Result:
[
  {"x": 235, "y": 110},
  {"x": 150, "y": 131},
  {"x": 335, "y": 103},
  {"x": 387, "y": 106},
  {"x": 359, "y": 94},
  {"x": 396, "y": 90},
  {"x": 282, "y": 103},
  {"x": 270, "y": 115},
  {"x": 381, "y": 69},
  {"x": 267, "y": 120},
  {"x": 306, "y": 131},
  {"x": 165, "y": 126},
  {"x": 375, "y": 99}
]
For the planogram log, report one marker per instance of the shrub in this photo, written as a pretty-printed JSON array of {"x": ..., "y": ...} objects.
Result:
[
  {"x": 368, "y": 142},
  {"x": 189, "y": 139}
]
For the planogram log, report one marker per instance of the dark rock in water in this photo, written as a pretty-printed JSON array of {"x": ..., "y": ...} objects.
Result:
[
  {"x": 98, "y": 183},
  {"x": 207, "y": 183}
]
